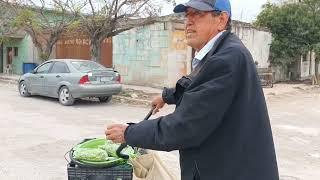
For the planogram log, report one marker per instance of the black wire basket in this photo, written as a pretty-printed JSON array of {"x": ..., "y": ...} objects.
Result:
[
  {"x": 81, "y": 171},
  {"x": 122, "y": 172}
]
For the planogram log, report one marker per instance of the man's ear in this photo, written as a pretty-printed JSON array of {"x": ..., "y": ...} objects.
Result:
[{"x": 223, "y": 18}]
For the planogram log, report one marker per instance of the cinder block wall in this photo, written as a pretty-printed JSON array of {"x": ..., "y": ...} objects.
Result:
[{"x": 152, "y": 55}]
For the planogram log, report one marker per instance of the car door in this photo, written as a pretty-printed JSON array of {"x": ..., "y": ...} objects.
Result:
[
  {"x": 37, "y": 80},
  {"x": 56, "y": 75}
]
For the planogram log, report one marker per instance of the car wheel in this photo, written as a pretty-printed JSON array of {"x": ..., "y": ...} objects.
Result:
[
  {"x": 105, "y": 99},
  {"x": 65, "y": 97},
  {"x": 23, "y": 89}
]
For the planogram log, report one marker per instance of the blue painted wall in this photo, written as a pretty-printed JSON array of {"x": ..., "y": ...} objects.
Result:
[{"x": 140, "y": 54}]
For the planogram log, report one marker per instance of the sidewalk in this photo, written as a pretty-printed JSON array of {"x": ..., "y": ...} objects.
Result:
[
  {"x": 9, "y": 78},
  {"x": 132, "y": 90}
]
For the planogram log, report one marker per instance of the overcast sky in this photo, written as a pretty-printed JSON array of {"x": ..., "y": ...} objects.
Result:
[{"x": 243, "y": 10}]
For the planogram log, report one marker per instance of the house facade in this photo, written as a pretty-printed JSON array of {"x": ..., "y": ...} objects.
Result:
[
  {"x": 23, "y": 51},
  {"x": 18, "y": 47},
  {"x": 67, "y": 47}
]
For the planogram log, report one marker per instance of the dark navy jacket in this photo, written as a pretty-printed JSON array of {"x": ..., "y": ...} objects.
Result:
[{"x": 220, "y": 125}]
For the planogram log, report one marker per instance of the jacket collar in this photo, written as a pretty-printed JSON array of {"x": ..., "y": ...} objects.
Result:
[
  {"x": 213, "y": 50},
  {"x": 218, "y": 43}
]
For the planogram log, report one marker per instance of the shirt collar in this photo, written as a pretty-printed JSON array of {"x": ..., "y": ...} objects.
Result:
[{"x": 204, "y": 51}]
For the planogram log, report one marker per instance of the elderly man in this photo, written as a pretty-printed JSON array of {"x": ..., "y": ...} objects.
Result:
[{"x": 220, "y": 125}]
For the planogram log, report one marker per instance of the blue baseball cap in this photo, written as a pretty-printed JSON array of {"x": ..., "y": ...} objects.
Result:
[{"x": 205, "y": 5}]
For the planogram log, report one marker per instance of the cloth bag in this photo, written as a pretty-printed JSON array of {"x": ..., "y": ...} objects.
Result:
[{"x": 150, "y": 167}]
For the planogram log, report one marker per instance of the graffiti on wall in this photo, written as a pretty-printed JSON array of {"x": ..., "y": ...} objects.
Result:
[{"x": 80, "y": 41}]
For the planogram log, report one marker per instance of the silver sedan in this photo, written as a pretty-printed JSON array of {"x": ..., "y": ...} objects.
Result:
[{"x": 69, "y": 79}]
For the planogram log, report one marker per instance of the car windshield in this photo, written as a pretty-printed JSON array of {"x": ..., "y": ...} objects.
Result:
[{"x": 86, "y": 66}]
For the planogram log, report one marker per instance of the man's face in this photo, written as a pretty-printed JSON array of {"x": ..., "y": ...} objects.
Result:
[{"x": 200, "y": 27}]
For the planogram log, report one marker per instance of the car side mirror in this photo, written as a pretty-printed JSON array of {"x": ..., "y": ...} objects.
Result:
[{"x": 33, "y": 72}]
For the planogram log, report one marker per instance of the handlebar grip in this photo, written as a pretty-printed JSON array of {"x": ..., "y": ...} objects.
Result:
[{"x": 120, "y": 148}]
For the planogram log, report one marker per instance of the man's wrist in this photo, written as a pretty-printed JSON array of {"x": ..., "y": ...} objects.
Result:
[{"x": 126, "y": 130}]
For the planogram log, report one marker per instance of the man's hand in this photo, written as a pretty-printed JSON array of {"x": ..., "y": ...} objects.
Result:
[
  {"x": 158, "y": 103},
  {"x": 115, "y": 133}
]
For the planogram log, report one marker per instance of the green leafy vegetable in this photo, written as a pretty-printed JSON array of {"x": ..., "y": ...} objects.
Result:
[
  {"x": 111, "y": 149},
  {"x": 90, "y": 154},
  {"x": 101, "y": 153}
]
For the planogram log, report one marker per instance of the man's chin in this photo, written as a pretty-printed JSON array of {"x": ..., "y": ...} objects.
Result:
[{"x": 191, "y": 43}]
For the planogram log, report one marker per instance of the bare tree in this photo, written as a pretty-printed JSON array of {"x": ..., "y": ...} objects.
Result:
[
  {"x": 106, "y": 18},
  {"x": 44, "y": 21},
  {"x": 6, "y": 19}
]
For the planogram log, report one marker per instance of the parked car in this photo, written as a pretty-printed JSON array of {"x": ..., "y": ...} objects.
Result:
[{"x": 70, "y": 79}]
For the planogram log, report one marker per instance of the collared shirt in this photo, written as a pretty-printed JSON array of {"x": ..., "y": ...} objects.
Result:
[{"x": 204, "y": 51}]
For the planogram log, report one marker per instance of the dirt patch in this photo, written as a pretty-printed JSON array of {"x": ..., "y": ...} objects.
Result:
[
  {"x": 138, "y": 94},
  {"x": 134, "y": 97},
  {"x": 143, "y": 98}
]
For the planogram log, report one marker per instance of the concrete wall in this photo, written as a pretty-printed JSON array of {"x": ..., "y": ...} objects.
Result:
[
  {"x": 157, "y": 55},
  {"x": 257, "y": 41},
  {"x": 180, "y": 55},
  {"x": 140, "y": 55},
  {"x": 300, "y": 70},
  {"x": 280, "y": 73},
  {"x": 306, "y": 70},
  {"x": 154, "y": 55}
]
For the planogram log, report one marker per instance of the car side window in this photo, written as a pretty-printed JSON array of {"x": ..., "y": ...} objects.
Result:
[
  {"x": 59, "y": 67},
  {"x": 44, "y": 68}
]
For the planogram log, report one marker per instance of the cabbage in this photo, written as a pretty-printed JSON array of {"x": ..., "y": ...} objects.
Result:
[
  {"x": 100, "y": 150},
  {"x": 90, "y": 154},
  {"x": 111, "y": 149}
]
